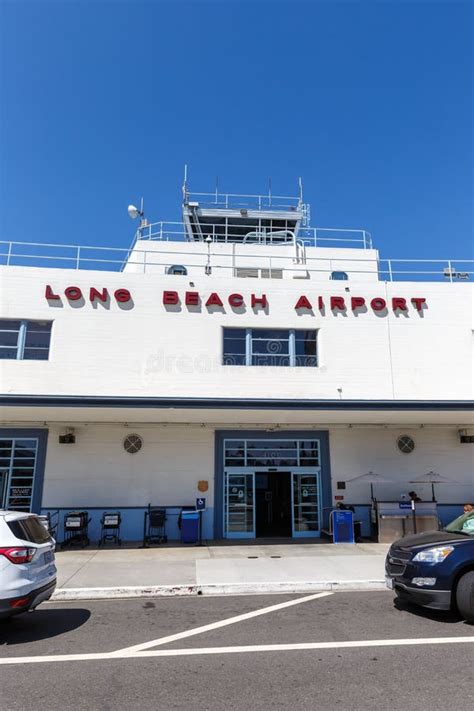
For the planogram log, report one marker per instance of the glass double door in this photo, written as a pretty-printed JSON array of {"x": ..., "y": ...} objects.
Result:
[{"x": 271, "y": 504}]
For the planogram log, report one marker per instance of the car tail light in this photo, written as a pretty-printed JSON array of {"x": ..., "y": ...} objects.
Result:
[
  {"x": 18, "y": 555},
  {"x": 19, "y": 602}
]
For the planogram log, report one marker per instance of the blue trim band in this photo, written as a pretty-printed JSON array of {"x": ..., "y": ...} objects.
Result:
[{"x": 231, "y": 403}]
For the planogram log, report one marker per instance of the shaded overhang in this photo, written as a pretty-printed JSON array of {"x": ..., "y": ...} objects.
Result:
[{"x": 219, "y": 411}]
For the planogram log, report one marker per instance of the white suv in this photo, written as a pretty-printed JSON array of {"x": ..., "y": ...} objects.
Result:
[{"x": 27, "y": 564}]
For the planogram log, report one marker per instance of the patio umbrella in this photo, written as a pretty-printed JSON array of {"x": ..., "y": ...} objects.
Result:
[
  {"x": 372, "y": 478},
  {"x": 432, "y": 478}
]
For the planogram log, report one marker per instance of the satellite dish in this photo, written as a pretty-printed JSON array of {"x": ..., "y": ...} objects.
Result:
[{"x": 133, "y": 212}]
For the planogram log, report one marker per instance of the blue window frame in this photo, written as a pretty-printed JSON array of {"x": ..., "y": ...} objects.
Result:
[
  {"x": 339, "y": 276},
  {"x": 270, "y": 346},
  {"x": 24, "y": 340}
]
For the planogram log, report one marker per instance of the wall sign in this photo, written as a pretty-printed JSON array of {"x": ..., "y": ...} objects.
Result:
[
  {"x": 303, "y": 304},
  {"x": 213, "y": 302},
  {"x": 76, "y": 293}
]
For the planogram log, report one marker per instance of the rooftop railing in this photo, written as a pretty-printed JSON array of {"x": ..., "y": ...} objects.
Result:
[
  {"x": 232, "y": 232},
  {"x": 278, "y": 265},
  {"x": 229, "y": 201}
]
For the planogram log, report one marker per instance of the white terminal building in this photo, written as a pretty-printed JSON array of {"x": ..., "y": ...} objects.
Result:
[{"x": 241, "y": 356}]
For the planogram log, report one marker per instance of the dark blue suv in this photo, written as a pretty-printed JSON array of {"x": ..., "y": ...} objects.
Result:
[{"x": 436, "y": 569}]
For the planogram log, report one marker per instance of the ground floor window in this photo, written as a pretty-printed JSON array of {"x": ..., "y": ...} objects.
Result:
[
  {"x": 18, "y": 458},
  {"x": 271, "y": 452}
]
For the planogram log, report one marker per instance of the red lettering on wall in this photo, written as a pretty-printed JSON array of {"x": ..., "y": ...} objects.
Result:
[
  {"x": 49, "y": 293},
  {"x": 191, "y": 298},
  {"x": 259, "y": 301},
  {"x": 378, "y": 304},
  {"x": 399, "y": 303},
  {"x": 357, "y": 302},
  {"x": 303, "y": 303},
  {"x": 170, "y": 298},
  {"x": 122, "y": 295},
  {"x": 418, "y": 302},
  {"x": 236, "y": 300},
  {"x": 96, "y": 294},
  {"x": 73, "y": 293},
  {"x": 320, "y": 303},
  {"x": 337, "y": 302},
  {"x": 214, "y": 300}
]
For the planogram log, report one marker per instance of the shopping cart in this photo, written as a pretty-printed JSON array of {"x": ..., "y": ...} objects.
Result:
[
  {"x": 76, "y": 525},
  {"x": 154, "y": 526},
  {"x": 110, "y": 527}
]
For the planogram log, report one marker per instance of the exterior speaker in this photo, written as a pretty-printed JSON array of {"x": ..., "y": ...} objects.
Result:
[{"x": 67, "y": 439}]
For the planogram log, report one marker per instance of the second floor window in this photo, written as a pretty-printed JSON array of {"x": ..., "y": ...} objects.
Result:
[
  {"x": 270, "y": 346},
  {"x": 24, "y": 340}
]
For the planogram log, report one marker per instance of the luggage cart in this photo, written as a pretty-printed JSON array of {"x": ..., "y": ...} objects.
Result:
[
  {"x": 110, "y": 530},
  {"x": 50, "y": 521},
  {"x": 154, "y": 526},
  {"x": 76, "y": 524}
]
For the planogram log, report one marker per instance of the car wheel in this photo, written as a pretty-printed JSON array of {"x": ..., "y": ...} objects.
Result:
[{"x": 465, "y": 596}]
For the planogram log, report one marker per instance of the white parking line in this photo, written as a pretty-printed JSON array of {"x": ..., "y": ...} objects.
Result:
[
  {"x": 218, "y": 625},
  {"x": 110, "y": 656}
]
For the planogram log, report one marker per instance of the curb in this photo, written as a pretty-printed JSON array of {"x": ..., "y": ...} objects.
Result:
[{"x": 127, "y": 592}]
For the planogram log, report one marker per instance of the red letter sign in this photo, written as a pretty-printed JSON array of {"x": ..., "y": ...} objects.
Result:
[
  {"x": 236, "y": 300},
  {"x": 399, "y": 303},
  {"x": 337, "y": 302},
  {"x": 123, "y": 295},
  {"x": 259, "y": 301},
  {"x": 357, "y": 302},
  {"x": 191, "y": 298},
  {"x": 96, "y": 294},
  {"x": 49, "y": 293},
  {"x": 73, "y": 293},
  {"x": 303, "y": 303},
  {"x": 418, "y": 302},
  {"x": 214, "y": 300},
  {"x": 170, "y": 298},
  {"x": 378, "y": 304}
]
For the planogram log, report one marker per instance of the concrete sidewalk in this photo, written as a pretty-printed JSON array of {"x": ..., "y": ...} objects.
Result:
[{"x": 218, "y": 569}]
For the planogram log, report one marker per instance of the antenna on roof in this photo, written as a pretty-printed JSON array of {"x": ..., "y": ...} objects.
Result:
[
  {"x": 185, "y": 183},
  {"x": 217, "y": 187},
  {"x": 269, "y": 191},
  {"x": 300, "y": 184}
]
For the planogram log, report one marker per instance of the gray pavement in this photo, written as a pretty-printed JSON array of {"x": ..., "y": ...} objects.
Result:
[
  {"x": 221, "y": 568},
  {"x": 415, "y": 659}
]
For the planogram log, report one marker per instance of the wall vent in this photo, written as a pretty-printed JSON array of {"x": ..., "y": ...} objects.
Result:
[
  {"x": 132, "y": 443},
  {"x": 406, "y": 444}
]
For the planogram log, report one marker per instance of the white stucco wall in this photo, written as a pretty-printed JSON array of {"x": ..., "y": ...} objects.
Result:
[
  {"x": 96, "y": 471},
  {"x": 146, "y": 349}
]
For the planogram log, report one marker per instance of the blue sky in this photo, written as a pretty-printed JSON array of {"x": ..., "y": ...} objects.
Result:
[{"x": 370, "y": 102}]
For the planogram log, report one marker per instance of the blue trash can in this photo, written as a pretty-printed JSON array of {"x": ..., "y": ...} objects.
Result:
[{"x": 189, "y": 526}]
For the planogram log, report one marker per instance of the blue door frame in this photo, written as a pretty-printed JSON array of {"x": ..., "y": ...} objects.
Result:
[
  {"x": 42, "y": 436},
  {"x": 221, "y": 435}
]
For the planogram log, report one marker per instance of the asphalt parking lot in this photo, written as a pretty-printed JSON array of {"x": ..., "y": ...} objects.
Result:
[{"x": 326, "y": 651}]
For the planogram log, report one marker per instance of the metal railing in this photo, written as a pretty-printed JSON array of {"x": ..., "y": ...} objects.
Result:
[
  {"x": 229, "y": 201},
  {"x": 232, "y": 232},
  {"x": 114, "y": 259}
]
